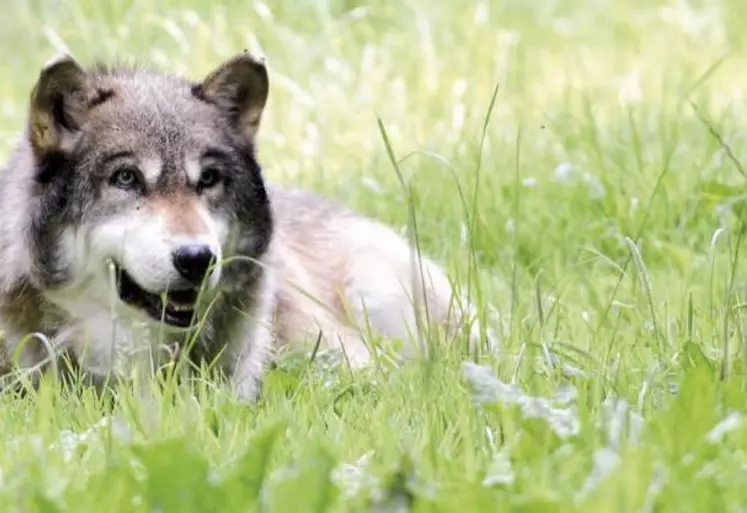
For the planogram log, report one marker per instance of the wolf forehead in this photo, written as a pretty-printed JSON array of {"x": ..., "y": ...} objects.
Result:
[
  {"x": 150, "y": 114},
  {"x": 76, "y": 109}
]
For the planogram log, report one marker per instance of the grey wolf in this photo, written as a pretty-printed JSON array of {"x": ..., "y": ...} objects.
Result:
[{"x": 134, "y": 213}]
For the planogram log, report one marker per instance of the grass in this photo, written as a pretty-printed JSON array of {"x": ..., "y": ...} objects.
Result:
[{"x": 600, "y": 213}]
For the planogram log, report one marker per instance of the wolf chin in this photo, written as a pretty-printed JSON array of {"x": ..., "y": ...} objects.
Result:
[{"x": 135, "y": 215}]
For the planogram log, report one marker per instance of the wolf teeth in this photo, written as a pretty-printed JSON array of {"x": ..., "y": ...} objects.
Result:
[{"x": 180, "y": 308}]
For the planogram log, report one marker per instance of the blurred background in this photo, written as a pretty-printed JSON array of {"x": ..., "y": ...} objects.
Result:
[{"x": 602, "y": 203}]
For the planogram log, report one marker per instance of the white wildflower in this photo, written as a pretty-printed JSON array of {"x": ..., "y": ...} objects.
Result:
[
  {"x": 488, "y": 389},
  {"x": 732, "y": 422}
]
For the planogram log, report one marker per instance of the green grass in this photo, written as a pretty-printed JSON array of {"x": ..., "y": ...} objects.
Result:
[{"x": 601, "y": 212}]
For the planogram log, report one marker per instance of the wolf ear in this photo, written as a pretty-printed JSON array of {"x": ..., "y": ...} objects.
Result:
[
  {"x": 240, "y": 87},
  {"x": 59, "y": 105}
]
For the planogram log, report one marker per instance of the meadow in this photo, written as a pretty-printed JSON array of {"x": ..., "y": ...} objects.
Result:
[{"x": 576, "y": 166}]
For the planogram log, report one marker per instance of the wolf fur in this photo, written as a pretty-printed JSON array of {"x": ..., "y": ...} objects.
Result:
[{"x": 120, "y": 168}]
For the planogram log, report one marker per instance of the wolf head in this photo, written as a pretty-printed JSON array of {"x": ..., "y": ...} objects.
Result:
[{"x": 148, "y": 174}]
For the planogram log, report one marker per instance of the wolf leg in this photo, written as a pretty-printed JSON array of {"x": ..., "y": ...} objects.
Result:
[
  {"x": 398, "y": 295},
  {"x": 247, "y": 355}
]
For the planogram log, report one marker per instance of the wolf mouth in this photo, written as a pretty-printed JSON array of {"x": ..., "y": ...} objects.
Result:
[{"x": 175, "y": 307}]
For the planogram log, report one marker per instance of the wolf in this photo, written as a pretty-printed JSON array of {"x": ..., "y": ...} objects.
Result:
[{"x": 135, "y": 215}]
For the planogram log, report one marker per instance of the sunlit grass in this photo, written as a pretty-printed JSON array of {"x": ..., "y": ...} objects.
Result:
[{"x": 605, "y": 231}]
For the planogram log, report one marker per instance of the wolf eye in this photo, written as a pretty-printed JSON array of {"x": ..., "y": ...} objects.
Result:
[
  {"x": 125, "y": 178},
  {"x": 210, "y": 177}
]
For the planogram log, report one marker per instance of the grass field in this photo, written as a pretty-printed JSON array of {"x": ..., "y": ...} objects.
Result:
[{"x": 598, "y": 199}]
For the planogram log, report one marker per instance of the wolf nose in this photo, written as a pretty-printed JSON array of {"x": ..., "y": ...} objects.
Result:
[{"x": 192, "y": 261}]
